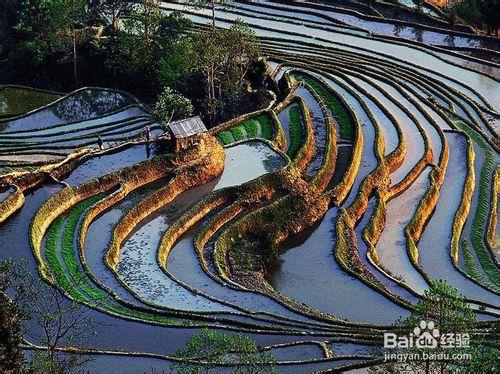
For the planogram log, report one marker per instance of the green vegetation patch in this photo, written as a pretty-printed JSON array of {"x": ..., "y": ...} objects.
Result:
[
  {"x": 482, "y": 211},
  {"x": 225, "y": 137},
  {"x": 209, "y": 349},
  {"x": 253, "y": 128},
  {"x": 68, "y": 252},
  {"x": 51, "y": 255},
  {"x": 470, "y": 265},
  {"x": 258, "y": 127},
  {"x": 74, "y": 280},
  {"x": 267, "y": 131},
  {"x": 144, "y": 316},
  {"x": 296, "y": 131},
  {"x": 339, "y": 111},
  {"x": 239, "y": 133}
]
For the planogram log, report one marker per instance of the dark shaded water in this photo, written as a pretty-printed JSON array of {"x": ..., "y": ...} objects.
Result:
[
  {"x": 310, "y": 274},
  {"x": 79, "y": 106}
]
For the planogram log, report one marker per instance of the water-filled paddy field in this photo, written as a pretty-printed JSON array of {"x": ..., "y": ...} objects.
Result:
[
  {"x": 16, "y": 100},
  {"x": 302, "y": 238}
]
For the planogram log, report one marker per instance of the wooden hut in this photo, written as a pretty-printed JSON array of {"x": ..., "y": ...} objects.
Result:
[{"x": 186, "y": 131}]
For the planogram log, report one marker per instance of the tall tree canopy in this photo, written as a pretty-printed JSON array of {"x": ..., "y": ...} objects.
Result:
[
  {"x": 65, "y": 44},
  {"x": 44, "y": 316},
  {"x": 45, "y": 33},
  {"x": 223, "y": 57},
  {"x": 211, "y": 3},
  {"x": 212, "y": 348},
  {"x": 448, "y": 317},
  {"x": 11, "y": 317},
  {"x": 483, "y": 14}
]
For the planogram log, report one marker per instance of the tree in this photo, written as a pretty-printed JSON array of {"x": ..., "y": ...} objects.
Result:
[
  {"x": 478, "y": 13},
  {"x": 490, "y": 15},
  {"x": 208, "y": 60},
  {"x": 443, "y": 305},
  {"x": 151, "y": 51},
  {"x": 55, "y": 320},
  {"x": 172, "y": 105},
  {"x": 8, "y": 19},
  {"x": 174, "y": 28},
  {"x": 145, "y": 20},
  {"x": 443, "y": 316},
  {"x": 11, "y": 317},
  {"x": 209, "y": 349},
  {"x": 223, "y": 58},
  {"x": 484, "y": 357},
  {"x": 174, "y": 67},
  {"x": 201, "y": 3},
  {"x": 242, "y": 51},
  {"x": 115, "y": 9},
  {"x": 51, "y": 29},
  {"x": 131, "y": 54}
]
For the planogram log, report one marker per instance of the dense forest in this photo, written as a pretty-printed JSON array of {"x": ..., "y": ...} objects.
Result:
[{"x": 66, "y": 44}]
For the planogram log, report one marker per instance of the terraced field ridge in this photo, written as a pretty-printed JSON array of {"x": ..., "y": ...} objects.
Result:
[{"x": 312, "y": 225}]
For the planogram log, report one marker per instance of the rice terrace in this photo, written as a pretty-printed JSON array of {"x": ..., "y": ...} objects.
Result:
[{"x": 249, "y": 186}]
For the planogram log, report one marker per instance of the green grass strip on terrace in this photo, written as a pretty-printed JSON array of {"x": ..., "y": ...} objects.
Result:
[
  {"x": 51, "y": 255},
  {"x": 480, "y": 219},
  {"x": 252, "y": 128},
  {"x": 266, "y": 127},
  {"x": 77, "y": 280},
  {"x": 225, "y": 137},
  {"x": 470, "y": 265},
  {"x": 239, "y": 133},
  {"x": 296, "y": 131},
  {"x": 68, "y": 249},
  {"x": 339, "y": 111},
  {"x": 258, "y": 127}
]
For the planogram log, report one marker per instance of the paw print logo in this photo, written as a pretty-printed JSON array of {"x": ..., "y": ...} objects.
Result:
[{"x": 426, "y": 335}]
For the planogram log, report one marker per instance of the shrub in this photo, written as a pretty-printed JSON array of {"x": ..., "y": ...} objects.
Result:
[
  {"x": 215, "y": 348},
  {"x": 171, "y": 103}
]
